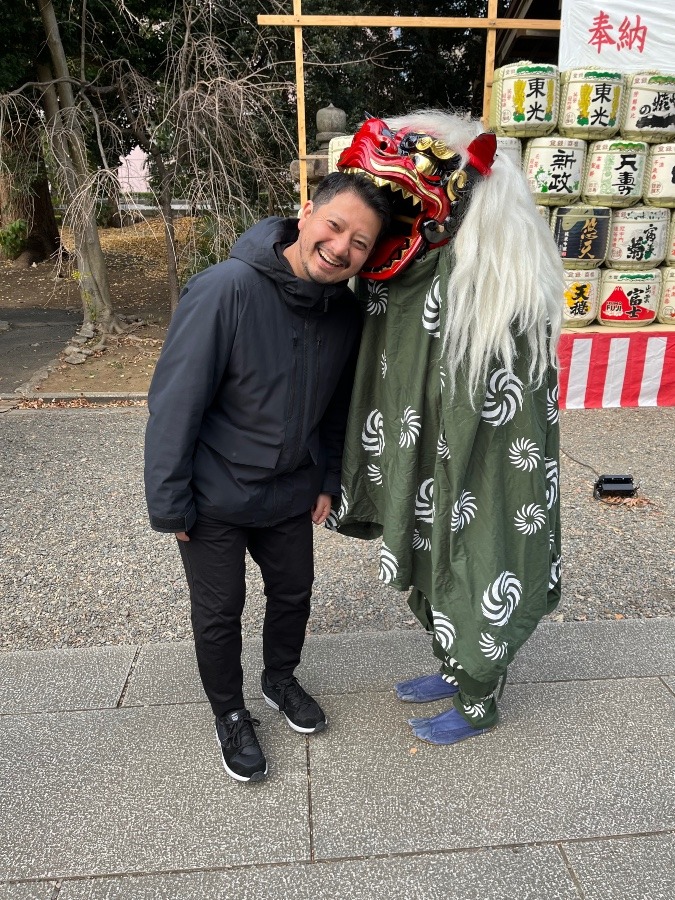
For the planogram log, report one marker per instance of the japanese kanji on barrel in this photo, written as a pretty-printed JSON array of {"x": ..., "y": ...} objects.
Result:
[
  {"x": 524, "y": 100},
  {"x": 649, "y": 107},
  {"x": 638, "y": 238},
  {"x": 554, "y": 168},
  {"x": 580, "y": 297},
  {"x": 629, "y": 298},
  {"x": 590, "y": 103},
  {"x": 582, "y": 234},
  {"x": 615, "y": 173}
]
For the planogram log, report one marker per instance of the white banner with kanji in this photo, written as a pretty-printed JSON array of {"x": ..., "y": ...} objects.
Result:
[{"x": 618, "y": 35}]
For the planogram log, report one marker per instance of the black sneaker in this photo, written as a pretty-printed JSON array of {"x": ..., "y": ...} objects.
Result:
[
  {"x": 242, "y": 757},
  {"x": 302, "y": 712}
]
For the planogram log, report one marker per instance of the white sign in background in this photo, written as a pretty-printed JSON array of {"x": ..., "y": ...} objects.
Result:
[{"x": 618, "y": 35}]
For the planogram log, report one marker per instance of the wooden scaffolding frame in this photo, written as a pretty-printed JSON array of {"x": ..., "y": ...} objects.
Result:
[{"x": 490, "y": 22}]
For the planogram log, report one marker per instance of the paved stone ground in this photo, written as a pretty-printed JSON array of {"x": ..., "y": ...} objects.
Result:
[
  {"x": 111, "y": 785},
  {"x": 31, "y": 338},
  {"x": 79, "y": 565}
]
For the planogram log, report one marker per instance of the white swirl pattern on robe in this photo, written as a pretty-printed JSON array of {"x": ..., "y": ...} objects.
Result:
[
  {"x": 335, "y": 516},
  {"x": 552, "y": 409},
  {"x": 552, "y": 477},
  {"x": 475, "y": 710},
  {"x": 503, "y": 399},
  {"x": 501, "y": 598},
  {"x": 388, "y": 565},
  {"x": 442, "y": 446},
  {"x": 374, "y": 473},
  {"x": 373, "y": 433},
  {"x": 491, "y": 648},
  {"x": 419, "y": 542},
  {"x": 378, "y": 295},
  {"x": 411, "y": 425},
  {"x": 463, "y": 511},
  {"x": 556, "y": 567},
  {"x": 444, "y": 631},
  {"x": 383, "y": 364},
  {"x": 524, "y": 454},
  {"x": 431, "y": 318},
  {"x": 529, "y": 518},
  {"x": 424, "y": 502}
]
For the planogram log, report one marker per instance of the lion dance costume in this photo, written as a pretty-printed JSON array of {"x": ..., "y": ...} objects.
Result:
[{"x": 452, "y": 448}]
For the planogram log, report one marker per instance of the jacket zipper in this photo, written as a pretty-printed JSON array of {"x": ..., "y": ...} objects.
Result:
[
  {"x": 295, "y": 459},
  {"x": 294, "y": 370},
  {"x": 315, "y": 392}
]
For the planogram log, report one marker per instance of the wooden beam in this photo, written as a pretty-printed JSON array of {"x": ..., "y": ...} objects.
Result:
[
  {"x": 300, "y": 86},
  {"x": 490, "y": 51},
  {"x": 490, "y": 22},
  {"x": 411, "y": 22}
]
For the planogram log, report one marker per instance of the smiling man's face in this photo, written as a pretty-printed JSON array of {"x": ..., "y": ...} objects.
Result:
[{"x": 334, "y": 240}]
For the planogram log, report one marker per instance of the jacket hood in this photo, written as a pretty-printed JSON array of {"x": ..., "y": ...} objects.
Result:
[{"x": 256, "y": 247}]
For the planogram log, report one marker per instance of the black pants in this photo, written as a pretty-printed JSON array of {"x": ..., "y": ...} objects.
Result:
[{"x": 214, "y": 565}]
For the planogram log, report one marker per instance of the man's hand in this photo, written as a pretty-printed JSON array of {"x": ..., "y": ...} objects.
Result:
[
  {"x": 321, "y": 509},
  {"x": 182, "y": 536}
]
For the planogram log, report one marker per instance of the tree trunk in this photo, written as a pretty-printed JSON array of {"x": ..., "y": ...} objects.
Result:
[
  {"x": 43, "y": 240},
  {"x": 169, "y": 230},
  {"x": 69, "y": 149},
  {"x": 23, "y": 197}
]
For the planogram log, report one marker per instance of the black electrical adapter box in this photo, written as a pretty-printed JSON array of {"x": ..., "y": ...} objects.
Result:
[{"x": 614, "y": 486}]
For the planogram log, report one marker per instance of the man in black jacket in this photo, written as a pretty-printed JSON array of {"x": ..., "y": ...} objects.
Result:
[{"x": 248, "y": 406}]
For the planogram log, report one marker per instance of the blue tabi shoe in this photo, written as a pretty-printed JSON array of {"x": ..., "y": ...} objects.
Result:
[
  {"x": 446, "y": 728},
  {"x": 425, "y": 689}
]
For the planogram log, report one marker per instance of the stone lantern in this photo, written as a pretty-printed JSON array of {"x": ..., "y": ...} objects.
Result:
[{"x": 330, "y": 122}]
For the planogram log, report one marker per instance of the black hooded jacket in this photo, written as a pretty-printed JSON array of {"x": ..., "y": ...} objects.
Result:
[{"x": 249, "y": 399}]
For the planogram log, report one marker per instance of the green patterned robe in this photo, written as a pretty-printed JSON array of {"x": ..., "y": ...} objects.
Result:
[{"x": 465, "y": 499}]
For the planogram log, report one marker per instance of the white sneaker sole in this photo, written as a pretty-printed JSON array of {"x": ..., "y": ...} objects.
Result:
[{"x": 315, "y": 730}]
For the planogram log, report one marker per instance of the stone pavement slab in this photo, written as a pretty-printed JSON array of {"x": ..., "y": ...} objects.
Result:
[
  {"x": 562, "y": 651},
  {"x": 374, "y": 661},
  {"x": 331, "y": 664},
  {"x": 53, "y": 680},
  {"x": 525, "y": 874},
  {"x": 142, "y": 790},
  {"x": 573, "y": 797},
  {"x": 636, "y": 867},
  {"x": 34, "y": 338},
  {"x": 572, "y": 760},
  {"x": 38, "y": 891}
]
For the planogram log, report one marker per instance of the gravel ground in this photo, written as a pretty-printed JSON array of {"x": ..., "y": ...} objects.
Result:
[{"x": 79, "y": 565}]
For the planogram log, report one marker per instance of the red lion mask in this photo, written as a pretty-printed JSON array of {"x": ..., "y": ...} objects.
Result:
[{"x": 426, "y": 186}]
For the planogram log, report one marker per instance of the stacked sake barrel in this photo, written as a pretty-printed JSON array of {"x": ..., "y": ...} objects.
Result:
[{"x": 598, "y": 151}]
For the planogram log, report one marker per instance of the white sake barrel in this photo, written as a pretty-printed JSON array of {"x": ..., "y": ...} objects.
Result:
[
  {"x": 628, "y": 299},
  {"x": 590, "y": 103},
  {"x": 581, "y": 297},
  {"x": 670, "y": 250},
  {"x": 524, "y": 99},
  {"x": 638, "y": 237},
  {"x": 511, "y": 147},
  {"x": 335, "y": 147},
  {"x": 581, "y": 233},
  {"x": 665, "y": 312},
  {"x": 554, "y": 168},
  {"x": 649, "y": 108},
  {"x": 660, "y": 181},
  {"x": 615, "y": 173}
]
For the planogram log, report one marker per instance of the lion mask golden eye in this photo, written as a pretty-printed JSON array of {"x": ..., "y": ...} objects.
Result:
[{"x": 424, "y": 164}]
